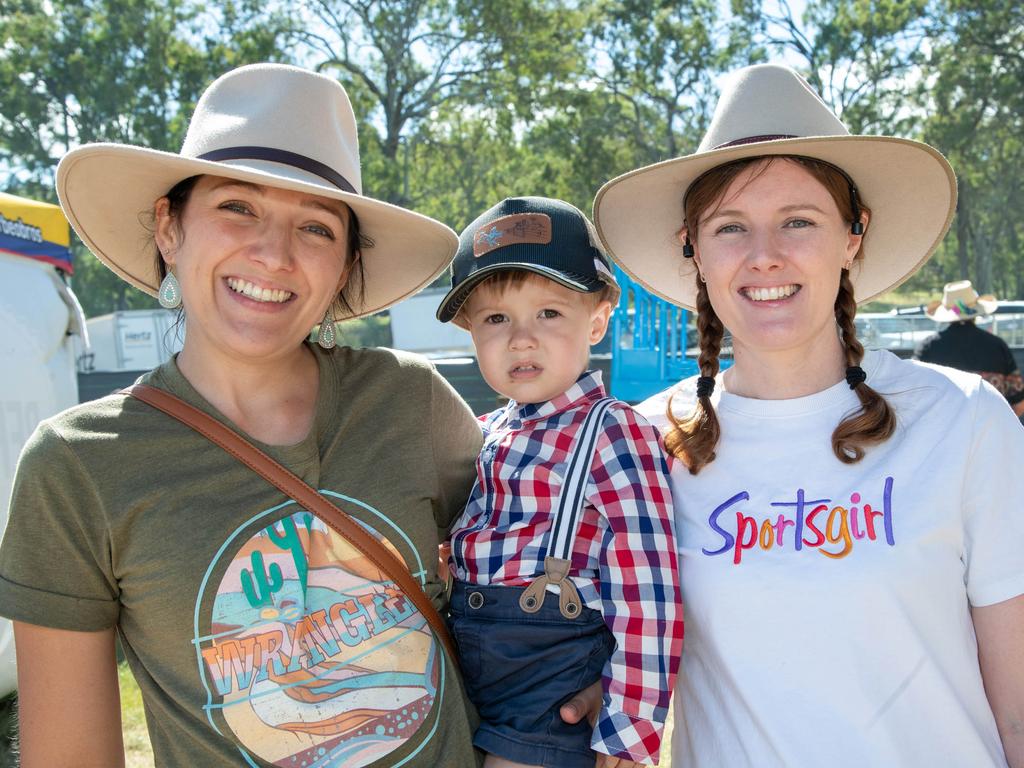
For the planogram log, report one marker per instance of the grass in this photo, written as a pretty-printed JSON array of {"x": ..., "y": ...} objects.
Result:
[
  {"x": 136, "y": 740},
  {"x": 8, "y": 729},
  {"x": 137, "y": 751}
]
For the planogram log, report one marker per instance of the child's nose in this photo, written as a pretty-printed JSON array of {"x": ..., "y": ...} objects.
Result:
[{"x": 523, "y": 337}]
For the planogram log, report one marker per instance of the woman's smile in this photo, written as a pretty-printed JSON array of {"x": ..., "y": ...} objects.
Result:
[
  {"x": 256, "y": 293},
  {"x": 774, "y": 294}
]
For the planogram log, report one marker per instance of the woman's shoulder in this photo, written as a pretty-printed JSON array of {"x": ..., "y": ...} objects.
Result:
[
  {"x": 71, "y": 435},
  {"x": 114, "y": 421},
  {"x": 368, "y": 359},
  {"x": 896, "y": 376},
  {"x": 103, "y": 414},
  {"x": 925, "y": 393},
  {"x": 391, "y": 373}
]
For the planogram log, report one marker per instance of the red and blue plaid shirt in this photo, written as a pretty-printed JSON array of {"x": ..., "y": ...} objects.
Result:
[{"x": 624, "y": 559}]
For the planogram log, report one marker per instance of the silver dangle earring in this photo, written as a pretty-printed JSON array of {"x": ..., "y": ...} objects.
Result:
[
  {"x": 702, "y": 278},
  {"x": 169, "y": 295},
  {"x": 327, "y": 338}
]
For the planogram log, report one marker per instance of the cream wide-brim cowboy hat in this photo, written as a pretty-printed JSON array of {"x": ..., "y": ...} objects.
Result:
[
  {"x": 961, "y": 302},
  {"x": 267, "y": 124},
  {"x": 769, "y": 109}
]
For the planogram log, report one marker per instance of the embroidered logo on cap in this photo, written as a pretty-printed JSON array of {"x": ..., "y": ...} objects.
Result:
[{"x": 511, "y": 230}]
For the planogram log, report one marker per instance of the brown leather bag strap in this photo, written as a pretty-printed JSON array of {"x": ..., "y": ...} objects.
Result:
[{"x": 304, "y": 494}]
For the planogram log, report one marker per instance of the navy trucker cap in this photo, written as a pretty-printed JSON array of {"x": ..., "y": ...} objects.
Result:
[{"x": 536, "y": 234}]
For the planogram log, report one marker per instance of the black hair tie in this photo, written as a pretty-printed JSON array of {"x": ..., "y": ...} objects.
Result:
[
  {"x": 855, "y": 375},
  {"x": 705, "y": 386}
]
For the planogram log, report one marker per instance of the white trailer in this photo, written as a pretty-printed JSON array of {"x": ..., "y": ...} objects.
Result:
[
  {"x": 415, "y": 328},
  {"x": 39, "y": 319},
  {"x": 131, "y": 340}
]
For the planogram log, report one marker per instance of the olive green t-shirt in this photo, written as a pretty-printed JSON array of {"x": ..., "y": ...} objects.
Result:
[{"x": 258, "y": 635}]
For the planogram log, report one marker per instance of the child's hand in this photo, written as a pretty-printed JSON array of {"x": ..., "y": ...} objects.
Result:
[
  {"x": 586, "y": 704},
  {"x": 607, "y": 761}
]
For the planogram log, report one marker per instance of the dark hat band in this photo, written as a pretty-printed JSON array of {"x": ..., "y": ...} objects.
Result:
[
  {"x": 755, "y": 140},
  {"x": 284, "y": 157}
]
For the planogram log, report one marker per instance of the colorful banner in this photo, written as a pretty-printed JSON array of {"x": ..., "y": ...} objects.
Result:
[{"x": 35, "y": 230}]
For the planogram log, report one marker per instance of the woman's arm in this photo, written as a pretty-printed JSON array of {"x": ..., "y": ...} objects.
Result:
[
  {"x": 68, "y": 699},
  {"x": 1000, "y": 631}
]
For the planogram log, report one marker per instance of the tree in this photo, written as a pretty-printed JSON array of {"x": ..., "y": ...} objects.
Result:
[
  {"x": 662, "y": 61},
  {"x": 130, "y": 71},
  {"x": 975, "y": 114},
  {"x": 645, "y": 94},
  {"x": 405, "y": 61},
  {"x": 858, "y": 54}
]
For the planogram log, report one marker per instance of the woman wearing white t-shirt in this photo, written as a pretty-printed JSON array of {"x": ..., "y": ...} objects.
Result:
[{"x": 850, "y": 523}]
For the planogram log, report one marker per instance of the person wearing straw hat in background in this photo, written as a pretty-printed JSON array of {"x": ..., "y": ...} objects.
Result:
[
  {"x": 258, "y": 634},
  {"x": 965, "y": 346},
  {"x": 848, "y": 521}
]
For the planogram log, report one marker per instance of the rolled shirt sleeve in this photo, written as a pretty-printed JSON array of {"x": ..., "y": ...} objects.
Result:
[{"x": 55, "y": 561}]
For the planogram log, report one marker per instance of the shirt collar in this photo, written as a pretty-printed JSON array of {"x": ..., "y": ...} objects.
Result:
[{"x": 587, "y": 387}]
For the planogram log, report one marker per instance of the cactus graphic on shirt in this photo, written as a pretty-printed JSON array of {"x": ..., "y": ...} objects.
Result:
[
  {"x": 259, "y": 589},
  {"x": 289, "y": 541}
]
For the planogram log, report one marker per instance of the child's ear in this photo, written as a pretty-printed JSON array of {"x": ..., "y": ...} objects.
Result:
[{"x": 599, "y": 321}]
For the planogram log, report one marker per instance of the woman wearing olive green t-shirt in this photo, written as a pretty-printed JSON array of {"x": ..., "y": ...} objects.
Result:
[{"x": 257, "y": 635}]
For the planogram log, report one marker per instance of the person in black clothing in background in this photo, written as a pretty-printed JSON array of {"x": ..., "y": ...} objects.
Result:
[{"x": 965, "y": 346}]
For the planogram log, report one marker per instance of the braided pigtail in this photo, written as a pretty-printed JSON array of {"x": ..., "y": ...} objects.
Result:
[
  {"x": 693, "y": 440},
  {"x": 875, "y": 422}
]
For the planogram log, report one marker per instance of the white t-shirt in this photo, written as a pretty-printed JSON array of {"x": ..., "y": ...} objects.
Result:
[{"x": 827, "y": 605}]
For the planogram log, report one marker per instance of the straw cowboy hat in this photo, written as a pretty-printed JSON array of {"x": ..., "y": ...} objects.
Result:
[
  {"x": 960, "y": 302},
  {"x": 267, "y": 124},
  {"x": 770, "y": 110}
]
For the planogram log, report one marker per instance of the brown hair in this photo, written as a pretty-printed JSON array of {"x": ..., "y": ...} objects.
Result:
[
  {"x": 508, "y": 279},
  {"x": 694, "y": 439},
  {"x": 178, "y": 197}
]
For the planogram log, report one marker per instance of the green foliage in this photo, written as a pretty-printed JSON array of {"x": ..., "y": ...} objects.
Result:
[
  {"x": 100, "y": 290},
  {"x": 858, "y": 54},
  {"x": 129, "y": 71},
  {"x": 663, "y": 57},
  {"x": 404, "y": 61},
  {"x": 974, "y": 107},
  {"x": 465, "y": 102}
]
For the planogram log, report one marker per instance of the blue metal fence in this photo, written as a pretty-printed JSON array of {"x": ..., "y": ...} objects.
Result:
[{"x": 649, "y": 342}]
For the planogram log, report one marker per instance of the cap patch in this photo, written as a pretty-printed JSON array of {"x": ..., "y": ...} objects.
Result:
[{"x": 511, "y": 230}]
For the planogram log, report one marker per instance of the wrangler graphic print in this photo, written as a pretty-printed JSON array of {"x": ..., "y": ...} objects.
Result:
[{"x": 309, "y": 655}]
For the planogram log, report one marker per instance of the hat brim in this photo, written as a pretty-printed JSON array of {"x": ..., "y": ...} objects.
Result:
[
  {"x": 108, "y": 191},
  {"x": 942, "y": 314},
  {"x": 909, "y": 187},
  {"x": 457, "y": 296}
]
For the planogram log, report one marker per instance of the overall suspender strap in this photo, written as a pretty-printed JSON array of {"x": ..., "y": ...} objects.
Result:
[{"x": 567, "y": 512}]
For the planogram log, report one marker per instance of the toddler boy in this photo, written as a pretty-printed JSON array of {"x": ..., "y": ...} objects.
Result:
[{"x": 564, "y": 559}]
